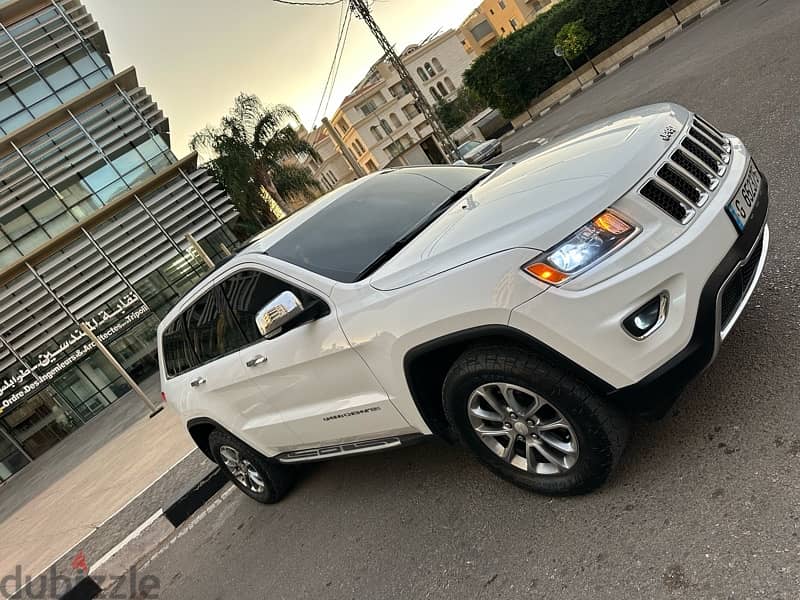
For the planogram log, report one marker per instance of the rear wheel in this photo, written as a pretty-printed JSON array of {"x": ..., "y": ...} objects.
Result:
[
  {"x": 258, "y": 477},
  {"x": 531, "y": 423}
]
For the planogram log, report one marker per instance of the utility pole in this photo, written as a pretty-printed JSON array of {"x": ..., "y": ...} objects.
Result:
[
  {"x": 361, "y": 11},
  {"x": 337, "y": 139}
]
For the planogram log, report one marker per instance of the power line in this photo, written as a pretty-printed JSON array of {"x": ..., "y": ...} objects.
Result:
[
  {"x": 361, "y": 9},
  {"x": 290, "y": 3}
]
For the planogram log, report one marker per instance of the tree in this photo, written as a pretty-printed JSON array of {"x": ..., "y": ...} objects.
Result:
[
  {"x": 574, "y": 39},
  {"x": 252, "y": 155},
  {"x": 461, "y": 109}
]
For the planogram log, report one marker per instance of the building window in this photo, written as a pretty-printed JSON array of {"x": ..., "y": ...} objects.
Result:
[
  {"x": 503, "y": 30},
  {"x": 385, "y": 126},
  {"x": 501, "y": 4},
  {"x": 435, "y": 94},
  {"x": 410, "y": 111},
  {"x": 371, "y": 166},
  {"x": 376, "y": 133},
  {"x": 395, "y": 120},
  {"x": 514, "y": 24},
  {"x": 437, "y": 65},
  {"x": 442, "y": 89},
  {"x": 481, "y": 30},
  {"x": 429, "y": 69},
  {"x": 369, "y": 107},
  {"x": 33, "y": 93},
  {"x": 342, "y": 126},
  {"x": 422, "y": 74},
  {"x": 449, "y": 83},
  {"x": 491, "y": 11},
  {"x": 332, "y": 178}
]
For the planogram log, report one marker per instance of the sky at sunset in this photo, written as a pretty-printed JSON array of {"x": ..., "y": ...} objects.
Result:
[{"x": 195, "y": 56}]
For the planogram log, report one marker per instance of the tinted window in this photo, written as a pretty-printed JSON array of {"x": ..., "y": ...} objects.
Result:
[
  {"x": 248, "y": 292},
  {"x": 178, "y": 355},
  {"x": 348, "y": 235},
  {"x": 210, "y": 328}
]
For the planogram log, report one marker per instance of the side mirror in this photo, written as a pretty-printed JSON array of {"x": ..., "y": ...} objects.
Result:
[{"x": 278, "y": 312}]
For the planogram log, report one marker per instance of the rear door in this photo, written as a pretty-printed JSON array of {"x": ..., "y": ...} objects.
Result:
[
  {"x": 309, "y": 374},
  {"x": 202, "y": 346}
]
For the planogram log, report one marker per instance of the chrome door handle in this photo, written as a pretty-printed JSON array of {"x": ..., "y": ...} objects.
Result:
[
  {"x": 258, "y": 359},
  {"x": 197, "y": 382}
]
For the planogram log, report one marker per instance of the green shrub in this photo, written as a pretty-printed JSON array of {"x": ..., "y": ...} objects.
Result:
[{"x": 521, "y": 66}]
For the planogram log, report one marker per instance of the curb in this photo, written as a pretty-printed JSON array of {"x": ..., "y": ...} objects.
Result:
[
  {"x": 643, "y": 50},
  {"x": 116, "y": 564}
]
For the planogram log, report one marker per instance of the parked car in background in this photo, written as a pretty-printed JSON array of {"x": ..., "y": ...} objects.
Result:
[
  {"x": 523, "y": 310},
  {"x": 474, "y": 152}
]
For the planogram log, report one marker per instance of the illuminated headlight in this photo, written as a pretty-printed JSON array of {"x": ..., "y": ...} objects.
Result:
[{"x": 583, "y": 249}]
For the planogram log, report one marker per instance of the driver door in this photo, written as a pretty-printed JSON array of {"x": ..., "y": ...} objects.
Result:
[{"x": 307, "y": 371}]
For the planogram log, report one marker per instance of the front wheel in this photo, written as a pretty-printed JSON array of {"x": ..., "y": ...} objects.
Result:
[
  {"x": 261, "y": 479},
  {"x": 531, "y": 423}
]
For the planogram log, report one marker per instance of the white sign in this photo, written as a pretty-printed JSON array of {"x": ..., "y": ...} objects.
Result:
[{"x": 49, "y": 364}]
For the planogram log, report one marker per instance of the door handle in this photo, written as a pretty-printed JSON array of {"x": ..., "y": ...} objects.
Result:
[
  {"x": 197, "y": 382},
  {"x": 258, "y": 359}
]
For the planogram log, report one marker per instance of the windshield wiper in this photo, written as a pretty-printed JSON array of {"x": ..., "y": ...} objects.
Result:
[{"x": 398, "y": 245}]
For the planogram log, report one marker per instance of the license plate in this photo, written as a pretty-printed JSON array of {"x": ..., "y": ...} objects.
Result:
[{"x": 744, "y": 202}]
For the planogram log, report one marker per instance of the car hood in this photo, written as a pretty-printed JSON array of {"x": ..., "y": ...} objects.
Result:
[{"x": 538, "y": 201}]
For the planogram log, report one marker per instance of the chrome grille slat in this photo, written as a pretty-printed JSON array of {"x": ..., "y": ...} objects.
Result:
[
  {"x": 709, "y": 126},
  {"x": 703, "y": 155},
  {"x": 709, "y": 145},
  {"x": 667, "y": 201},
  {"x": 683, "y": 183},
  {"x": 696, "y": 169}
]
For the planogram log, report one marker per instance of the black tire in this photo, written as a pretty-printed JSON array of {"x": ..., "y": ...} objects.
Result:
[
  {"x": 601, "y": 431},
  {"x": 277, "y": 478}
]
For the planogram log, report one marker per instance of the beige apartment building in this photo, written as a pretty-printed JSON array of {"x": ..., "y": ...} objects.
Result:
[
  {"x": 379, "y": 123},
  {"x": 494, "y": 19}
]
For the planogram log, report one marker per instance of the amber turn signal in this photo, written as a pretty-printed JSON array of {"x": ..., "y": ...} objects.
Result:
[{"x": 545, "y": 273}]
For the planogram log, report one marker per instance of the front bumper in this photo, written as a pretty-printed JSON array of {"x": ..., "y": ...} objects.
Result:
[{"x": 653, "y": 395}]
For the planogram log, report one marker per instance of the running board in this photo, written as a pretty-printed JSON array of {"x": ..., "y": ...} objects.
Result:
[{"x": 312, "y": 454}]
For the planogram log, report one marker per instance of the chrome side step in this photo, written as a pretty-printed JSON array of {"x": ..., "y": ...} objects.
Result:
[{"x": 312, "y": 454}]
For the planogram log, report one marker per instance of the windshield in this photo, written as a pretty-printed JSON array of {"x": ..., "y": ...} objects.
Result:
[
  {"x": 467, "y": 147},
  {"x": 345, "y": 237}
]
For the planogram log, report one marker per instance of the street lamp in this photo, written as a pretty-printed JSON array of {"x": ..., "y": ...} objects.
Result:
[
  {"x": 672, "y": 10},
  {"x": 559, "y": 51}
]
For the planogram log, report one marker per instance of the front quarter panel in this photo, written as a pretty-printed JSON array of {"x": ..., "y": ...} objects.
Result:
[{"x": 383, "y": 326}]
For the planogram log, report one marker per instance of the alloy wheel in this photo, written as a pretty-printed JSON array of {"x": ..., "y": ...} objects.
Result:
[
  {"x": 522, "y": 428},
  {"x": 242, "y": 469}
]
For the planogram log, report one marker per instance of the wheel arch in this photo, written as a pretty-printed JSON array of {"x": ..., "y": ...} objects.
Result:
[
  {"x": 200, "y": 429},
  {"x": 426, "y": 366}
]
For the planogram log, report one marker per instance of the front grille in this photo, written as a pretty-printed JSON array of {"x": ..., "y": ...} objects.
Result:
[
  {"x": 703, "y": 154},
  {"x": 665, "y": 201},
  {"x": 693, "y": 171},
  {"x": 681, "y": 183},
  {"x": 734, "y": 291},
  {"x": 702, "y": 175}
]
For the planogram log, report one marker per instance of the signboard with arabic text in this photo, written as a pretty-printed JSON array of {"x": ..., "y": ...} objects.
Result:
[{"x": 14, "y": 387}]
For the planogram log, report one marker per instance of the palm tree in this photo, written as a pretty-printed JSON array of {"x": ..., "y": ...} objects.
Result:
[{"x": 253, "y": 153}]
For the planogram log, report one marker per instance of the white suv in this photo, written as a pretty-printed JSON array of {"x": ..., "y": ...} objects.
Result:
[{"x": 523, "y": 310}]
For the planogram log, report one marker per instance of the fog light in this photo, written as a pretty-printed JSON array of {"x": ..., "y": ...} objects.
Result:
[{"x": 645, "y": 320}]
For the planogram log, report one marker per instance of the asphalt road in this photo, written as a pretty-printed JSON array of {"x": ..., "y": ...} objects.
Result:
[{"x": 706, "y": 503}]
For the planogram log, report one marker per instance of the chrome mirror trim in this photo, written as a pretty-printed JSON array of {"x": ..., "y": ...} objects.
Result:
[{"x": 278, "y": 312}]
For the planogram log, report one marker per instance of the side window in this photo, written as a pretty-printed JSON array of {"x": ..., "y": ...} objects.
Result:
[
  {"x": 178, "y": 354},
  {"x": 248, "y": 292},
  {"x": 210, "y": 329}
]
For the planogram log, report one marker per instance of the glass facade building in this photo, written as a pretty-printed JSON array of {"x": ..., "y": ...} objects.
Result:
[{"x": 95, "y": 210}]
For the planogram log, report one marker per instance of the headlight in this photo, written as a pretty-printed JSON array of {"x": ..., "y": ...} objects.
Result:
[{"x": 583, "y": 249}]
